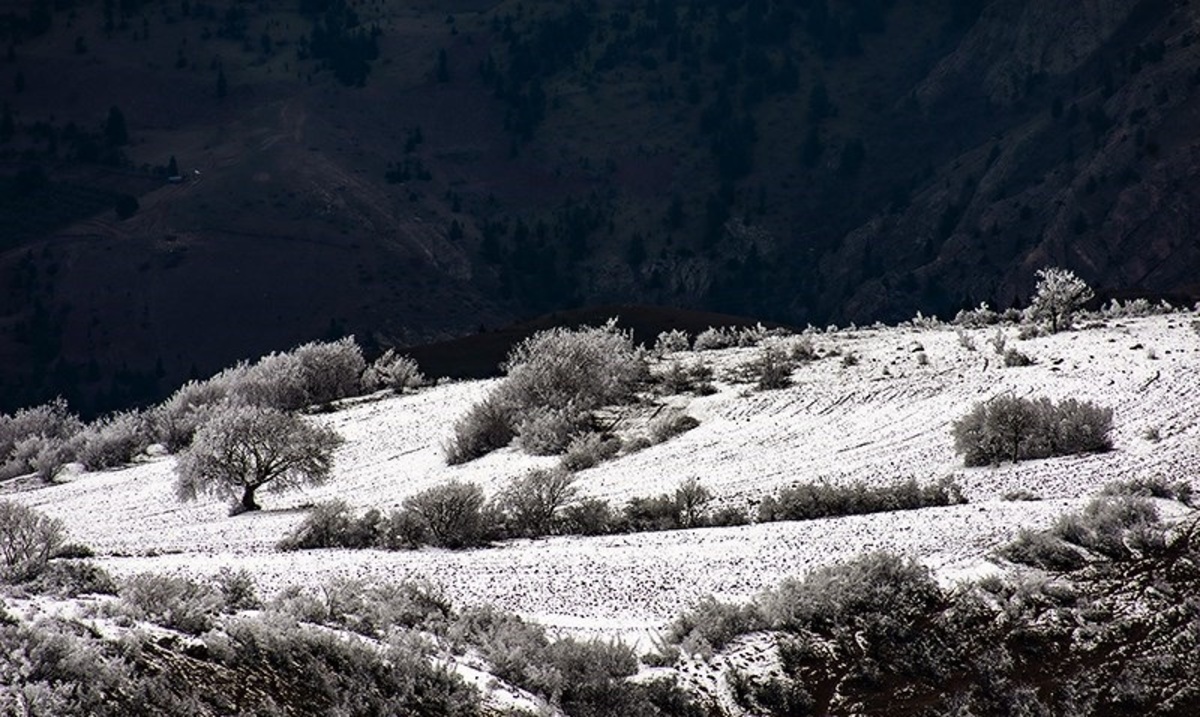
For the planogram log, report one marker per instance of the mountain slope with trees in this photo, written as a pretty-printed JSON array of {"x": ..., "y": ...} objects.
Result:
[{"x": 410, "y": 174}]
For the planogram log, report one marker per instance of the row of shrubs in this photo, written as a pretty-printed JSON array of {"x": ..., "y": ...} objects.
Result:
[
  {"x": 809, "y": 501},
  {"x": 458, "y": 515},
  {"x": 544, "y": 502},
  {"x": 45, "y": 438}
]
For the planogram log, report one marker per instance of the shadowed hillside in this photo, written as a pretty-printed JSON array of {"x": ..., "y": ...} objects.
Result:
[{"x": 189, "y": 183}]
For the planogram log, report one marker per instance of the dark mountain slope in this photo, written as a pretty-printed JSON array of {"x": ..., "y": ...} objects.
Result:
[{"x": 409, "y": 173}]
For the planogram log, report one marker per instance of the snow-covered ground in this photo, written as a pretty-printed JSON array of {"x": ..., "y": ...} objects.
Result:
[{"x": 884, "y": 420}]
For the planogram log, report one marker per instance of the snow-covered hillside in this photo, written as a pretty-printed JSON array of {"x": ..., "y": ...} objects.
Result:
[{"x": 883, "y": 420}]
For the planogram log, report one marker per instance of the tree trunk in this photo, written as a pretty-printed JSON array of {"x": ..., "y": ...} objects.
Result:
[{"x": 248, "y": 502}]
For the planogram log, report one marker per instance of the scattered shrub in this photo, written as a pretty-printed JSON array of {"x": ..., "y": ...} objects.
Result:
[
  {"x": 678, "y": 378},
  {"x": 72, "y": 578},
  {"x": 880, "y": 593},
  {"x": 712, "y": 339},
  {"x": 671, "y": 424},
  {"x": 1105, "y": 523},
  {"x": 532, "y": 502},
  {"x": 1013, "y": 357},
  {"x": 808, "y": 501},
  {"x": 486, "y": 426},
  {"x": 1043, "y": 550},
  {"x": 976, "y": 318},
  {"x": 1021, "y": 495},
  {"x": 850, "y": 359},
  {"x": 671, "y": 341},
  {"x": 589, "y": 449},
  {"x": 330, "y": 370},
  {"x": 393, "y": 371},
  {"x": 546, "y": 431},
  {"x": 244, "y": 448},
  {"x": 332, "y": 524},
  {"x": 803, "y": 350},
  {"x": 36, "y": 439},
  {"x": 646, "y": 515},
  {"x": 238, "y": 590},
  {"x": 1152, "y": 487},
  {"x": 965, "y": 340},
  {"x": 1012, "y": 428},
  {"x": 340, "y": 675},
  {"x": 717, "y": 622},
  {"x": 114, "y": 441},
  {"x": 451, "y": 515},
  {"x": 590, "y": 516},
  {"x": 28, "y": 540},
  {"x": 998, "y": 342},
  {"x": 773, "y": 369},
  {"x": 174, "y": 602}
]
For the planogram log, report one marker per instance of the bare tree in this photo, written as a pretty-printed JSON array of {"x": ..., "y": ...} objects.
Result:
[{"x": 243, "y": 448}]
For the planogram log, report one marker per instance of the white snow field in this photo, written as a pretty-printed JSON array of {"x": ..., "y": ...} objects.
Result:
[{"x": 884, "y": 420}]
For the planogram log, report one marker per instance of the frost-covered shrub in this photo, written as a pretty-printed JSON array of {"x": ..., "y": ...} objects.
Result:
[
  {"x": 1043, "y": 550},
  {"x": 976, "y": 318},
  {"x": 174, "y": 602},
  {"x": 548, "y": 431},
  {"x": 393, "y": 371},
  {"x": 28, "y": 540},
  {"x": 33, "y": 433},
  {"x": 590, "y": 516},
  {"x": 671, "y": 342},
  {"x": 452, "y": 515},
  {"x": 332, "y": 524},
  {"x": 712, "y": 339},
  {"x": 1152, "y": 487},
  {"x": 486, "y": 426},
  {"x": 114, "y": 441},
  {"x": 1012, "y": 428},
  {"x": 965, "y": 339},
  {"x": 773, "y": 369},
  {"x": 532, "y": 502},
  {"x": 1058, "y": 296},
  {"x": 72, "y": 578},
  {"x": 590, "y": 449},
  {"x": 587, "y": 368},
  {"x": 803, "y": 350},
  {"x": 717, "y": 622},
  {"x": 330, "y": 370},
  {"x": 670, "y": 424},
  {"x": 555, "y": 379},
  {"x": 679, "y": 378},
  {"x": 998, "y": 342},
  {"x": 1013, "y": 357},
  {"x": 238, "y": 589},
  {"x": 341, "y": 675},
  {"x": 174, "y": 422},
  {"x": 691, "y": 500},
  {"x": 652, "y": 514},
  {"x": 880, "y": 593},
  {"x": 1105, "y": 524}
]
